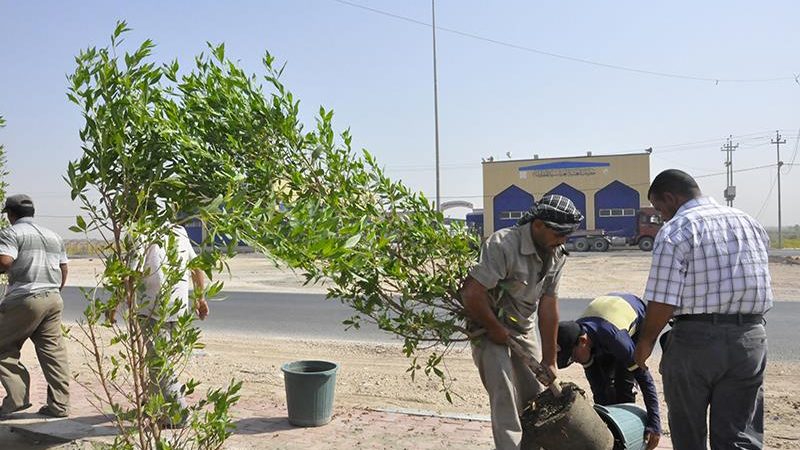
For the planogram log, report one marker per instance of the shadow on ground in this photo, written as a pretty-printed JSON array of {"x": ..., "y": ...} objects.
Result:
[{"x": 262, "y": 425}]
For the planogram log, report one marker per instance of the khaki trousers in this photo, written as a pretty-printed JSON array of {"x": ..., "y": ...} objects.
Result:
[
  {"x": 510, "y": 385},
  {"x": 38, "y": 317}
]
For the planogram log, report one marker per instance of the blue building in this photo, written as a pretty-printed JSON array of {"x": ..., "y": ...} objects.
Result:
[{"x": 608, "y": 189}]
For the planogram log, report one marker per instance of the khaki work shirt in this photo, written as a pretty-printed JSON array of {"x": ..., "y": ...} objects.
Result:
[{"x": 510, "y": 267}]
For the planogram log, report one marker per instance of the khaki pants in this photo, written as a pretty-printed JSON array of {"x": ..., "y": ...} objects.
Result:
[
  {"x": 38, "y": 317},
  {"x": 510, "y": 385}
]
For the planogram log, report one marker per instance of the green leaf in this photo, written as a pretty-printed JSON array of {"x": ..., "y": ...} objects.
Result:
[
  {"x": 81, "y": 223},
  {"x": 352, "y": 241}
]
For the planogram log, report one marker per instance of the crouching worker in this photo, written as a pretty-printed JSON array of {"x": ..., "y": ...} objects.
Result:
[{"x": 603, "y": 339}]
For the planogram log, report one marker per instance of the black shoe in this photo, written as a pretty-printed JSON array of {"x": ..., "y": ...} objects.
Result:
[
  {"x": 46, "y": 410},
  {"x": 6, "y": 414}
]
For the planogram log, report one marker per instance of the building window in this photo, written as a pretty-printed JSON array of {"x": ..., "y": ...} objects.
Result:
[
  {"x": 511, "y": 215},
  {"x": 617, "y": 212}
]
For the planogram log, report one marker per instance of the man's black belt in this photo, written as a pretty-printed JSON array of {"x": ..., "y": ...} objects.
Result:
[{"x": 721, "y": 318}]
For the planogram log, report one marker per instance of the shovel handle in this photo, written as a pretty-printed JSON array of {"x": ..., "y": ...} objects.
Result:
[{"x": 542, "y": 373}]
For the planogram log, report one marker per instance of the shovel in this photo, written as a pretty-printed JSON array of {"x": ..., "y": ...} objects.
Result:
[{"x": 541, "y": 372}]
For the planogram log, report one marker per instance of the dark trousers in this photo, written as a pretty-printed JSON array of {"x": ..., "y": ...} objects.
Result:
[
  {"x": 719, "y": 367},
  {"x": 611, "y": 381}
]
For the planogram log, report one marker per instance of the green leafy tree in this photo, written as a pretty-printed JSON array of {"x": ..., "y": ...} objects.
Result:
[
  {"x": 228, "y": 147},
  {"x": 130, "y": 182},
  {"x": 314, "y": 204}
]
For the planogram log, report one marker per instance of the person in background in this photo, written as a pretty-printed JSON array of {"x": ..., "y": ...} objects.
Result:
[
  {"x": 155, "y": 270},
  {"x": 35, "y": 260}
]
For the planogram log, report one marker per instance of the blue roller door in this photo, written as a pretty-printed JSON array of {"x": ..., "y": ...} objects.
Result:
[
  {"x": 616, "y": 207},
  {"x": 509, "y": 206}
]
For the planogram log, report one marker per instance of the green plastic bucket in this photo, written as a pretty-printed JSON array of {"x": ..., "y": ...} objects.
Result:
[
  {"x": 309, "y": 391},
  {"x": 627, "y": 423}
]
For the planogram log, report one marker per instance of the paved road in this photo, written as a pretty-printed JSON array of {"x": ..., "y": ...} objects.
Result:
[{"x": 312, "y": 316}]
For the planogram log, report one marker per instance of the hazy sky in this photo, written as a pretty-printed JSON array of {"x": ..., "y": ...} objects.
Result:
[{"x": 375, "y": 71}]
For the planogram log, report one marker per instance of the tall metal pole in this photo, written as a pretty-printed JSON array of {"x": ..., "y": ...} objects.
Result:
[
  {"x": 435, "y": 104},
  {"x": 728, "y": 148},
  {"x": 730, "y": 145},
  {"x": 777, "y": 141}
]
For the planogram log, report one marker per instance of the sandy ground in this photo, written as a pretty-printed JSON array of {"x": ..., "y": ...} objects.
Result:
[{"x": 374, "y": 375}]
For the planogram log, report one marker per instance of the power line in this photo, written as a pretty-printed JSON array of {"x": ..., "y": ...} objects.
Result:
[
  {"x": 794, "y": 155},
  {"x": 657, "y": 152},
  {"x": 749, "y": 169},
  {"x": 766, "y": 200},
  {"x": 714, "y": 80},
  {"x": 708, "y": 143}
]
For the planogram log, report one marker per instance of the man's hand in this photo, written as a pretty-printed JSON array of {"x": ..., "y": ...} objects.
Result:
[
  {"x": 642, "y": 352},
  {"x": 651, "y": 438},
  {"x": 202, "y": 309},
  {"x": 111, "y": 315},
  {"x": 655, "y": 319},
  {"x": 553, "y": 371},
  {"x": 498, "y": 334}
]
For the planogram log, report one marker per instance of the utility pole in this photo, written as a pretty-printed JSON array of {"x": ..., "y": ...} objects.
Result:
[
  {"x": 730, "y": 189},
  {"x": 777, "y": 141},
  {"x": 435, "y": 104}
]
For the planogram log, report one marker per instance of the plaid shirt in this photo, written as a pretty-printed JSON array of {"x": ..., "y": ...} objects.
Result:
[{"x": 711, "y": 259}]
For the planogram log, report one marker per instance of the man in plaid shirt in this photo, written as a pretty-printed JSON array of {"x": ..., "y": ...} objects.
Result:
[{"x": 710, "y": 274}]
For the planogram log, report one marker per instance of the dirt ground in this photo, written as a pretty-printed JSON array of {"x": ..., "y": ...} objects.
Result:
[{"x": 373, "y": 375}]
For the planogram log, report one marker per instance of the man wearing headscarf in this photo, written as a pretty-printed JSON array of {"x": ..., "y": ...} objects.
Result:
[{"x": 517, "y": 275}]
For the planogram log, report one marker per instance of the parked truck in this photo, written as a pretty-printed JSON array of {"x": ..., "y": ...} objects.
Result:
[{"x": 647, "y": 225}]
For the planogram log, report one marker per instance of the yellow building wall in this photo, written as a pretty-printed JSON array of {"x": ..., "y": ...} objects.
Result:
[{"x": 632, "y": 170}]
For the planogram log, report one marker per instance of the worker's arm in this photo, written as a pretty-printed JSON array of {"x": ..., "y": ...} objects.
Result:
[
  {"x": 486, "y": 274},
  {"x": 477, "y": 306},
  {"x": 199, "y": 286},
  {"x": 652, "y": 430},
  {"x": 664, "y": 291},
  {"x": 8, "y": 249},
  {"x": 656, "y": 318},
  {"x": 5, "y": 263},
  {"x": 64, "y": 271},
  {"x": 548, "y": 315},
  {"x": 548, "y": 328}
]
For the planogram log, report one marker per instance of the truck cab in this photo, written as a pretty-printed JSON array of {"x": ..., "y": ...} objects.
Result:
[{"x": 647, "y": 228}]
